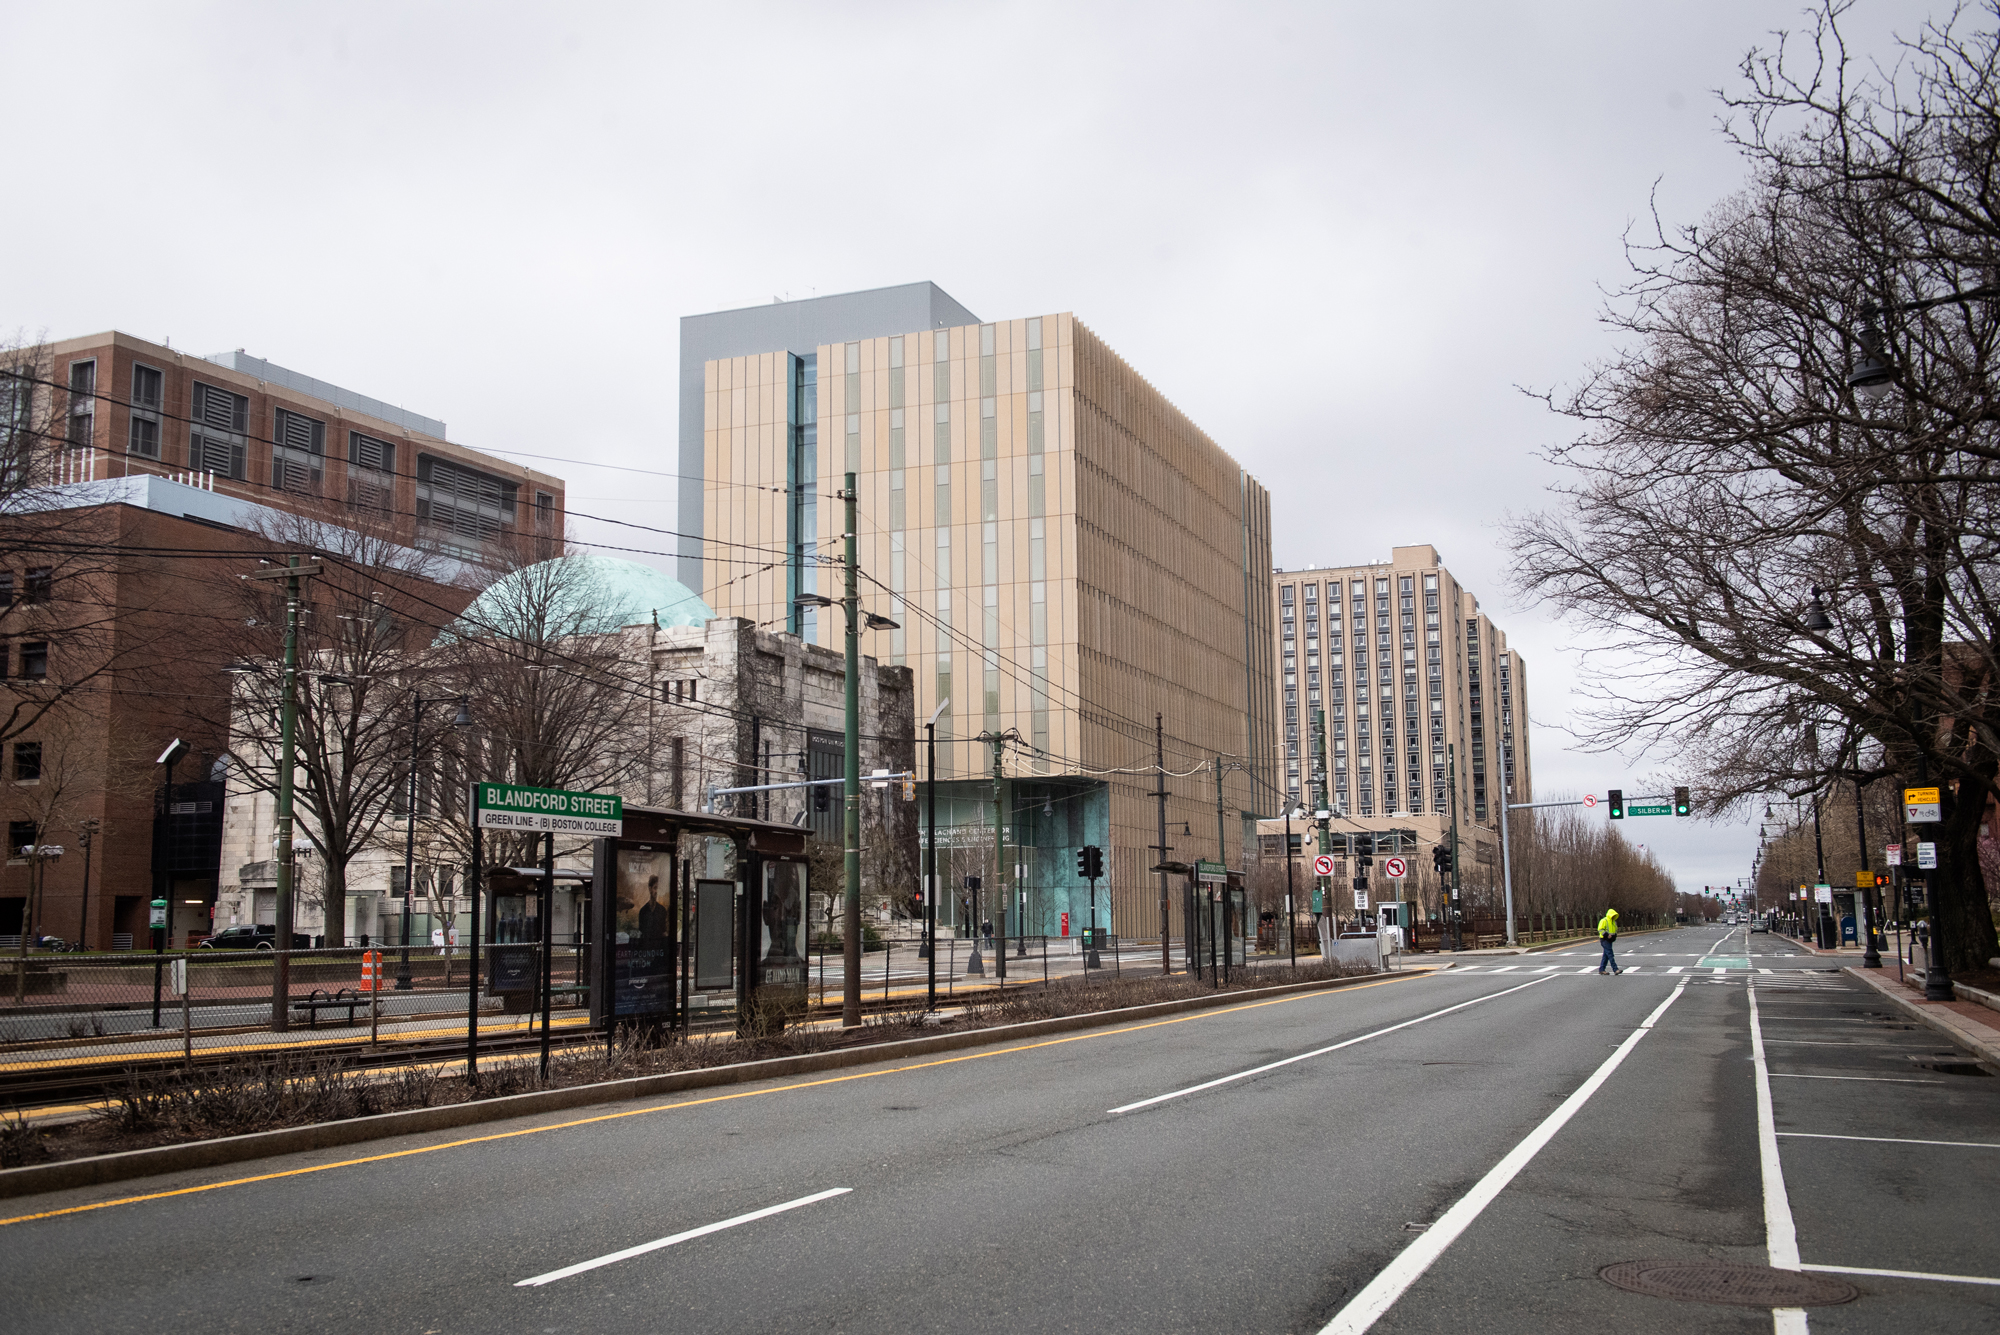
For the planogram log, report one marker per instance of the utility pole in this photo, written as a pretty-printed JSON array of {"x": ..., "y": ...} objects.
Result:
[
  {"x": 850, "y": 945},
  {"x": 288, "y": 722},
  {"x": 1221, "y": 831},
  {"x": 1160, "y": 792},
  {"x": 1004, "y": 895}
]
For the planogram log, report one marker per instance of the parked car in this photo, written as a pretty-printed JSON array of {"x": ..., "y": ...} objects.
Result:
[
  {"x": 1757, "y": 925},
  {"x": 259, "y": 937}
]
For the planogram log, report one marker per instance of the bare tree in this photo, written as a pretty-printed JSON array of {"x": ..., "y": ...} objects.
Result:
[
  {"x": 1788, "y": 584},
  {"x": 364, "y": 651},
  {"x": 558, "y": 698},
  {"x": 62, "y": 601}
]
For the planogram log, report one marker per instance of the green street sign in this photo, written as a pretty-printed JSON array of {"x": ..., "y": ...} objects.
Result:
[
  {"x": 1205, "y": 870},
  {"x": 1636, "y": 810},
  {"x": 506, "y": 806}
]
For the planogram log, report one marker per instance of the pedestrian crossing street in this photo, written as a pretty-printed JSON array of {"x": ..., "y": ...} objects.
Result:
[{"x": 1705, "y": 967}]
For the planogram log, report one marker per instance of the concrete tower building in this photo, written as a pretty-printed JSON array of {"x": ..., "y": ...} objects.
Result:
[{"x": 1066, "y": 553}]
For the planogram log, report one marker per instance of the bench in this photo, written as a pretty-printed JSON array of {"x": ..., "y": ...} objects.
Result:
[
  {"x": 346, "y": 999},
  {"x": 1487, "y": 942}
]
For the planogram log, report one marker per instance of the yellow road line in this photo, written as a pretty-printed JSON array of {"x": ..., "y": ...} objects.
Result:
[{"x": 697, "y": 1103}]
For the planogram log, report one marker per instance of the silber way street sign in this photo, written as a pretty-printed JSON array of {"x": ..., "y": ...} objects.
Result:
[{"x": 506, "y": 806}]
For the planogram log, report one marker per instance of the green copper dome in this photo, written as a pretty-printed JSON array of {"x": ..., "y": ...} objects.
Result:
[{"x": 582, "y": 594}]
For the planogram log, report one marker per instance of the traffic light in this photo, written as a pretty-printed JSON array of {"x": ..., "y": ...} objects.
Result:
[
  {"x": 822, "y": 800},
  {"x": 1364, "y": 848},
  {"x": 1083, "y": 863},
  {"x": 909, "y": 787},
  {"x": 1090, "y": 862},
  {"x": 1681, "y": 807},
  {"x": 1441, "y": 860},
  {"x": 1617, "y": 803}
]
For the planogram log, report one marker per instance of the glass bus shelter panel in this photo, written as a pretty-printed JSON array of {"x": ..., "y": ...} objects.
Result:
[
  {"x": 714, "y": 933},
  {"x": 781, "y": 959},
  {"x": 642, "y": 971}
]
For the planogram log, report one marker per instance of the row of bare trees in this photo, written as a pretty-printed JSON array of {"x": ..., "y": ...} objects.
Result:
[
  {"x": 553, "y": 699},
  {"x": 1568, "y": 866},
  {"x": 1792, "y": 584}
]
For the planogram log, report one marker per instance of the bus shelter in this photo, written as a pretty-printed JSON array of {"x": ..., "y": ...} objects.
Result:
[{"x": 674, "y": 934}]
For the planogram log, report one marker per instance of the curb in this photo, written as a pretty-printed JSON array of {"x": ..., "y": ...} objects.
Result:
[
  {"x": 34, "y": 1179},
  {"x": 1938, "y": 1017}
]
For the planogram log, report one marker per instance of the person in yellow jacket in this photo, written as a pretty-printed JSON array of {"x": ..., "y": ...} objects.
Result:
[{"x": 1607, "y": 932}]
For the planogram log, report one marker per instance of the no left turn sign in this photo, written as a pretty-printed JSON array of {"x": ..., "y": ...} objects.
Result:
[
  {"x": 1395, "y": 868},
  {"x": 1589, "y": 801},
  {"x": 1322, "y": 865}
]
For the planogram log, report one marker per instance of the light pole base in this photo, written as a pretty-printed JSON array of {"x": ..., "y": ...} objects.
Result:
[
  {"x": 404, "y": 983},
  {"x": 975, "y": 967},
  {"x": 1937, "y": 985}
]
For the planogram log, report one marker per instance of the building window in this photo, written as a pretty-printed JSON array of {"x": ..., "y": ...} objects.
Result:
[
  {"x": 40, "y": 584},
  {"x": 458, "y": 502},
  {"x": 82, "y": 402},
  {"x": 34, "y": 660},
  {"x": 298, "y": 451},
  {"x": 143, "y": 438},
  {"x": 217, "y": 442},
  {"x": 545, "y": 511},
  {"x": 371, "y": 473},
  {"x": 27, "y": 762},
  {"x": 20, "y": 836}
]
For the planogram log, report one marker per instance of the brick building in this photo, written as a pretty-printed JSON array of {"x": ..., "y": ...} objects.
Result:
[{"x": 142, "y": 482}]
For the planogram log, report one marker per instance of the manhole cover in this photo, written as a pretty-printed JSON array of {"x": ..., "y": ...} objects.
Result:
[{"x": 1726, "y": 1282}]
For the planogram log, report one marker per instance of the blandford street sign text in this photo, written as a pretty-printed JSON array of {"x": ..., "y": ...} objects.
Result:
[{"x": 506, "y": 806}]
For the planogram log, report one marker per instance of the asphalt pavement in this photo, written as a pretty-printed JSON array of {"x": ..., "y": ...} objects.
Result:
[{"x": 1458, "y": 1150}]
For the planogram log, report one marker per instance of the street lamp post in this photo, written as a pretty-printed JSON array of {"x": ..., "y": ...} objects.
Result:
[
  {"x": 404, "y": 982},
  {"x": 86, "y": 834}
]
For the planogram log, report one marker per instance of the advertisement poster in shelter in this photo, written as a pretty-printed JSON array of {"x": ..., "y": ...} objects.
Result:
[{"x": 642, "y": 977}]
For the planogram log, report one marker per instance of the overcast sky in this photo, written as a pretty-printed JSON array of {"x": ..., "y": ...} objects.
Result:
[{"x": 1338, "y": 235}]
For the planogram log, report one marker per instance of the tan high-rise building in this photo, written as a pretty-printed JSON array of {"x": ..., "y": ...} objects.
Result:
[
  {"x": 1065, "y": 553},
  {"x": 1408, "y": 679}
]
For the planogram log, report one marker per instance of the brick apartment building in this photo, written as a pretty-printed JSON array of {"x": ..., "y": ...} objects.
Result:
[{"x": 147, "y": 480}]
